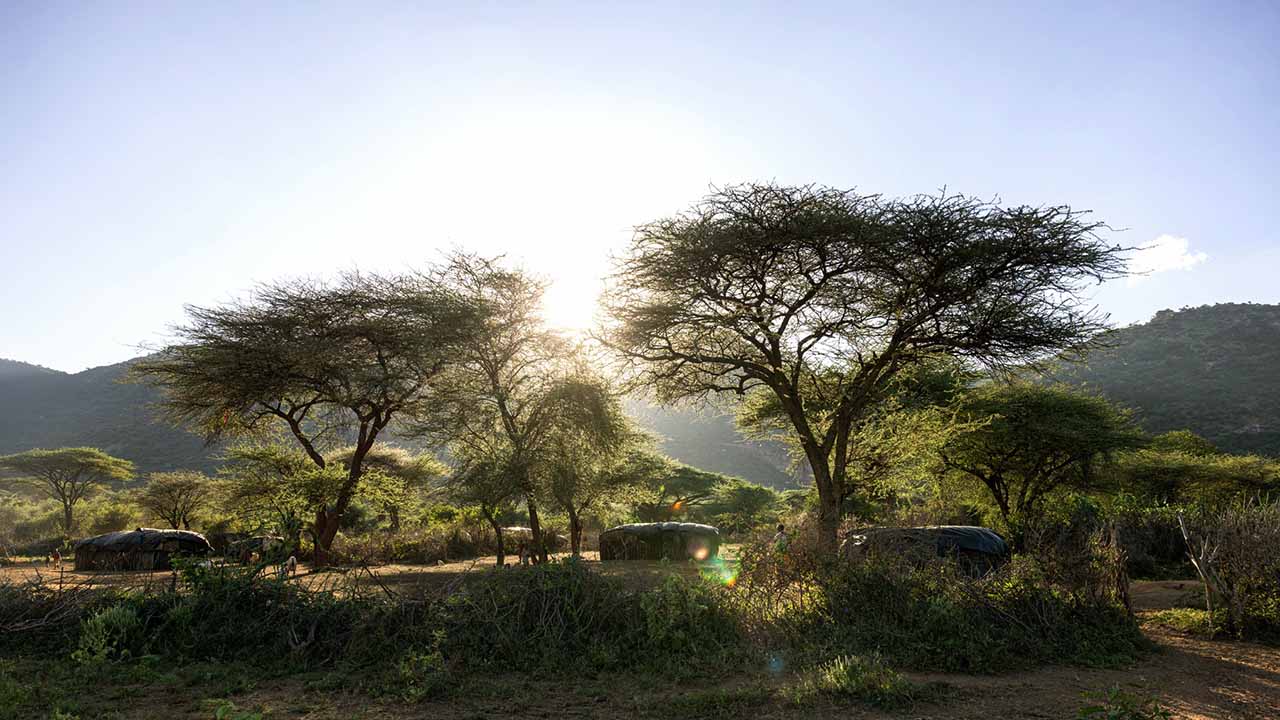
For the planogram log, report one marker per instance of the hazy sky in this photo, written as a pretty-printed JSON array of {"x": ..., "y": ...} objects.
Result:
[{"x": 153, "y": 155}]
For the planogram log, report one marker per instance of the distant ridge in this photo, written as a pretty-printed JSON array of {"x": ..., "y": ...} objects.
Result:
[
  {"x": 1214, "y": 370},
  {"x": 40, "y": 407}
]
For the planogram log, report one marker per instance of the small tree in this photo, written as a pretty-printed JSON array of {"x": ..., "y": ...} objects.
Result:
[
  {"x": 277, "y": 487},
  {"x": 402, "y": 475},
  {"x": 674, "y": 489},
  {"x": 176, "y": 497},
  {"x": 1026, "y": 441},
  {"x": 325, "y": 361},
  {"x": 821, "y": 296},
  {"x": 67, "y": 475},
  {"x": 501, "y": 395},
  {"x": 484, "y": 482}
]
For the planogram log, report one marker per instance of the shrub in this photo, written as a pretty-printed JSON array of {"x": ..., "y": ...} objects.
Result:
[
  {"x": 1238, "y": 557},
  {"x": 564, "y": 615},
  {"x": 114, "y": 633},
  {"x": 929, "y": 616},
  {"x": 852, "y": 677}
]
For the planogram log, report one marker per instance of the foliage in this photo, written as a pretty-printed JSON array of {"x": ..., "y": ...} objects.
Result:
[
  {"x": 316, "y": 359},
  {"x": 1117, "y": 704},
  {"x": 856, "y": 677},
  {"x": 178, "y": 498},
  {"x": 67, "y": 475},
  {"x": 1027, "y": 441},
  {"x": 1183, "y": 474},
  {"x": 114, "y": 633},
  {"x": 1237, "y": 554},
  {"x": 926, "y": 616},
  {"x": 819, "y": 295}
]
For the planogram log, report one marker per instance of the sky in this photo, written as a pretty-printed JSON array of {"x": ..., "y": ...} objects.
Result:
[{"x": 158, "y": 154}]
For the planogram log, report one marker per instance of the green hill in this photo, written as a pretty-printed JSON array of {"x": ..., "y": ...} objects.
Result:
[{"x": 1214, "y": 370}]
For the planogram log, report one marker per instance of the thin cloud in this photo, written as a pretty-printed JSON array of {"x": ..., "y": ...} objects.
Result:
[{"x": 1165, "y": 253}]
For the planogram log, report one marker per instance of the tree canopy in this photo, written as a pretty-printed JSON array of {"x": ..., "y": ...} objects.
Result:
[
  {"x": 325, "y": 360},
  {"x": 1026, "y": 441},
  {"x": 821, "y": 296},
  {"x": 67, "y": 475},
  {"x": 177, "y": 497}
]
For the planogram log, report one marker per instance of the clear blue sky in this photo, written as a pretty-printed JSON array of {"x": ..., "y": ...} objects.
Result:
[{"x": 153, "y": 155}]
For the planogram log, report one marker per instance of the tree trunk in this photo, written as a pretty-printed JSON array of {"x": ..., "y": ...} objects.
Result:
[
  {"x": 828, "y": 501},
  {"x": 68, "y": 520},
  {"x": 497, "y": 532},
  {"x": 393, "y": 513},
  {"x": 326, "y": 529},
  {"x": 575, "y": 532},
  {"x": 539, "y": 547}
]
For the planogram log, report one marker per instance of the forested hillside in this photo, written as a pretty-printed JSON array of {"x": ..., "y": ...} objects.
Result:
[
  {"x": 1214, "y": 370},
  {"x": 48, "y": 408}
]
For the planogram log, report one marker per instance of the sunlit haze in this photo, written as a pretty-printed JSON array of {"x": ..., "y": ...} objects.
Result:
[{"x": 161, "y": 154}]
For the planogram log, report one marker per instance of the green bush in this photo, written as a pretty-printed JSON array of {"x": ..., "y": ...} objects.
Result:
[
  {"x": 564, "y": 615},
  {"x": 115, "y": 633},
  {"x": 852, "y": 677},
  {"x": 929, "y": 615}
]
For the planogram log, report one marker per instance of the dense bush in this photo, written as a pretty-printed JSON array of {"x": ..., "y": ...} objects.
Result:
[
  {"x": 1237, "y": 553},
  {"x": 929, "y": 616}
]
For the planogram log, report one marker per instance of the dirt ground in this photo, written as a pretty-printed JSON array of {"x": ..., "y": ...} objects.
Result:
[{"x": 1195, "y": 678}]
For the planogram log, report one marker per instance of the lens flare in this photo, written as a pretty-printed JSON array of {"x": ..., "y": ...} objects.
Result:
[{"x": 720, "y": 571}]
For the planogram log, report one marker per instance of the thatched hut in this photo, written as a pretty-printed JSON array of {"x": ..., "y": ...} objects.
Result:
[
  {"x": 977, "y": 549},
  {"x": 141, "y": 549},
  {"x": 654, "y": 541}
]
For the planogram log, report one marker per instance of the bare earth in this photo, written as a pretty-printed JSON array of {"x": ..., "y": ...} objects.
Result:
[{"x": 1194, "y": 677}]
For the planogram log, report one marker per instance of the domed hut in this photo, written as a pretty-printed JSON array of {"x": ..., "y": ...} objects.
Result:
[
  {"x": 654, "y": 541},
  {"x": 141, "y": 549},
  {"x": 978, "y": 550}
]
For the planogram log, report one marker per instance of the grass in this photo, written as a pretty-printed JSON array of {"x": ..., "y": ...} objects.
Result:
[
  {"x": 1193, "y": 621},
  {"x": 864, "y": 679}
]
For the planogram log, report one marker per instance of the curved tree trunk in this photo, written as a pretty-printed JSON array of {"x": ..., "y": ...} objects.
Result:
[{"x": 497, "y": 532}]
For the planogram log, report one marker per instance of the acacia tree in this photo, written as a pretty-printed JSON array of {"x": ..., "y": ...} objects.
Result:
[
  {"x": 327, "y": 361},
  {"x": 1026, "y": 441},
  {"x": 483, "y": 481},
  {"x": 176, "y": 497},
  {"x": 593, "y": 454},
  {"x": 821, "y": 296},
  {"x": 505, "y": 385},
  {"x": 67, "y": 475}
]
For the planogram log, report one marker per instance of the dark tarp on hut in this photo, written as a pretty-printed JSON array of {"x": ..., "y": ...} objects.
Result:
[
  {"x": 977, "y": 548},
  {"x": 654, "y": 541},
  {"x": 141, "y": 549}
]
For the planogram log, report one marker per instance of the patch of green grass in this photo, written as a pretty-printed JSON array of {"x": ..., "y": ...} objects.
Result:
[
  {"x": 1117, "y": 704},
  {"x": 864, "y": 679},
  {"x": 1194, "y": 621}
]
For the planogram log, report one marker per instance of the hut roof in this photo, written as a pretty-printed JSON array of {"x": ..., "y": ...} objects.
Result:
[
  {"x": 143, "y": 539},
  {"x": 944, "y": 537},
  {"x": 664, "y": 527}
]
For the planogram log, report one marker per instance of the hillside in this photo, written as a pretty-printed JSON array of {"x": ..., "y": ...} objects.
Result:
[
  {"x": 48, "y": 408},
  {"x": 1214, "y": 370}
]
